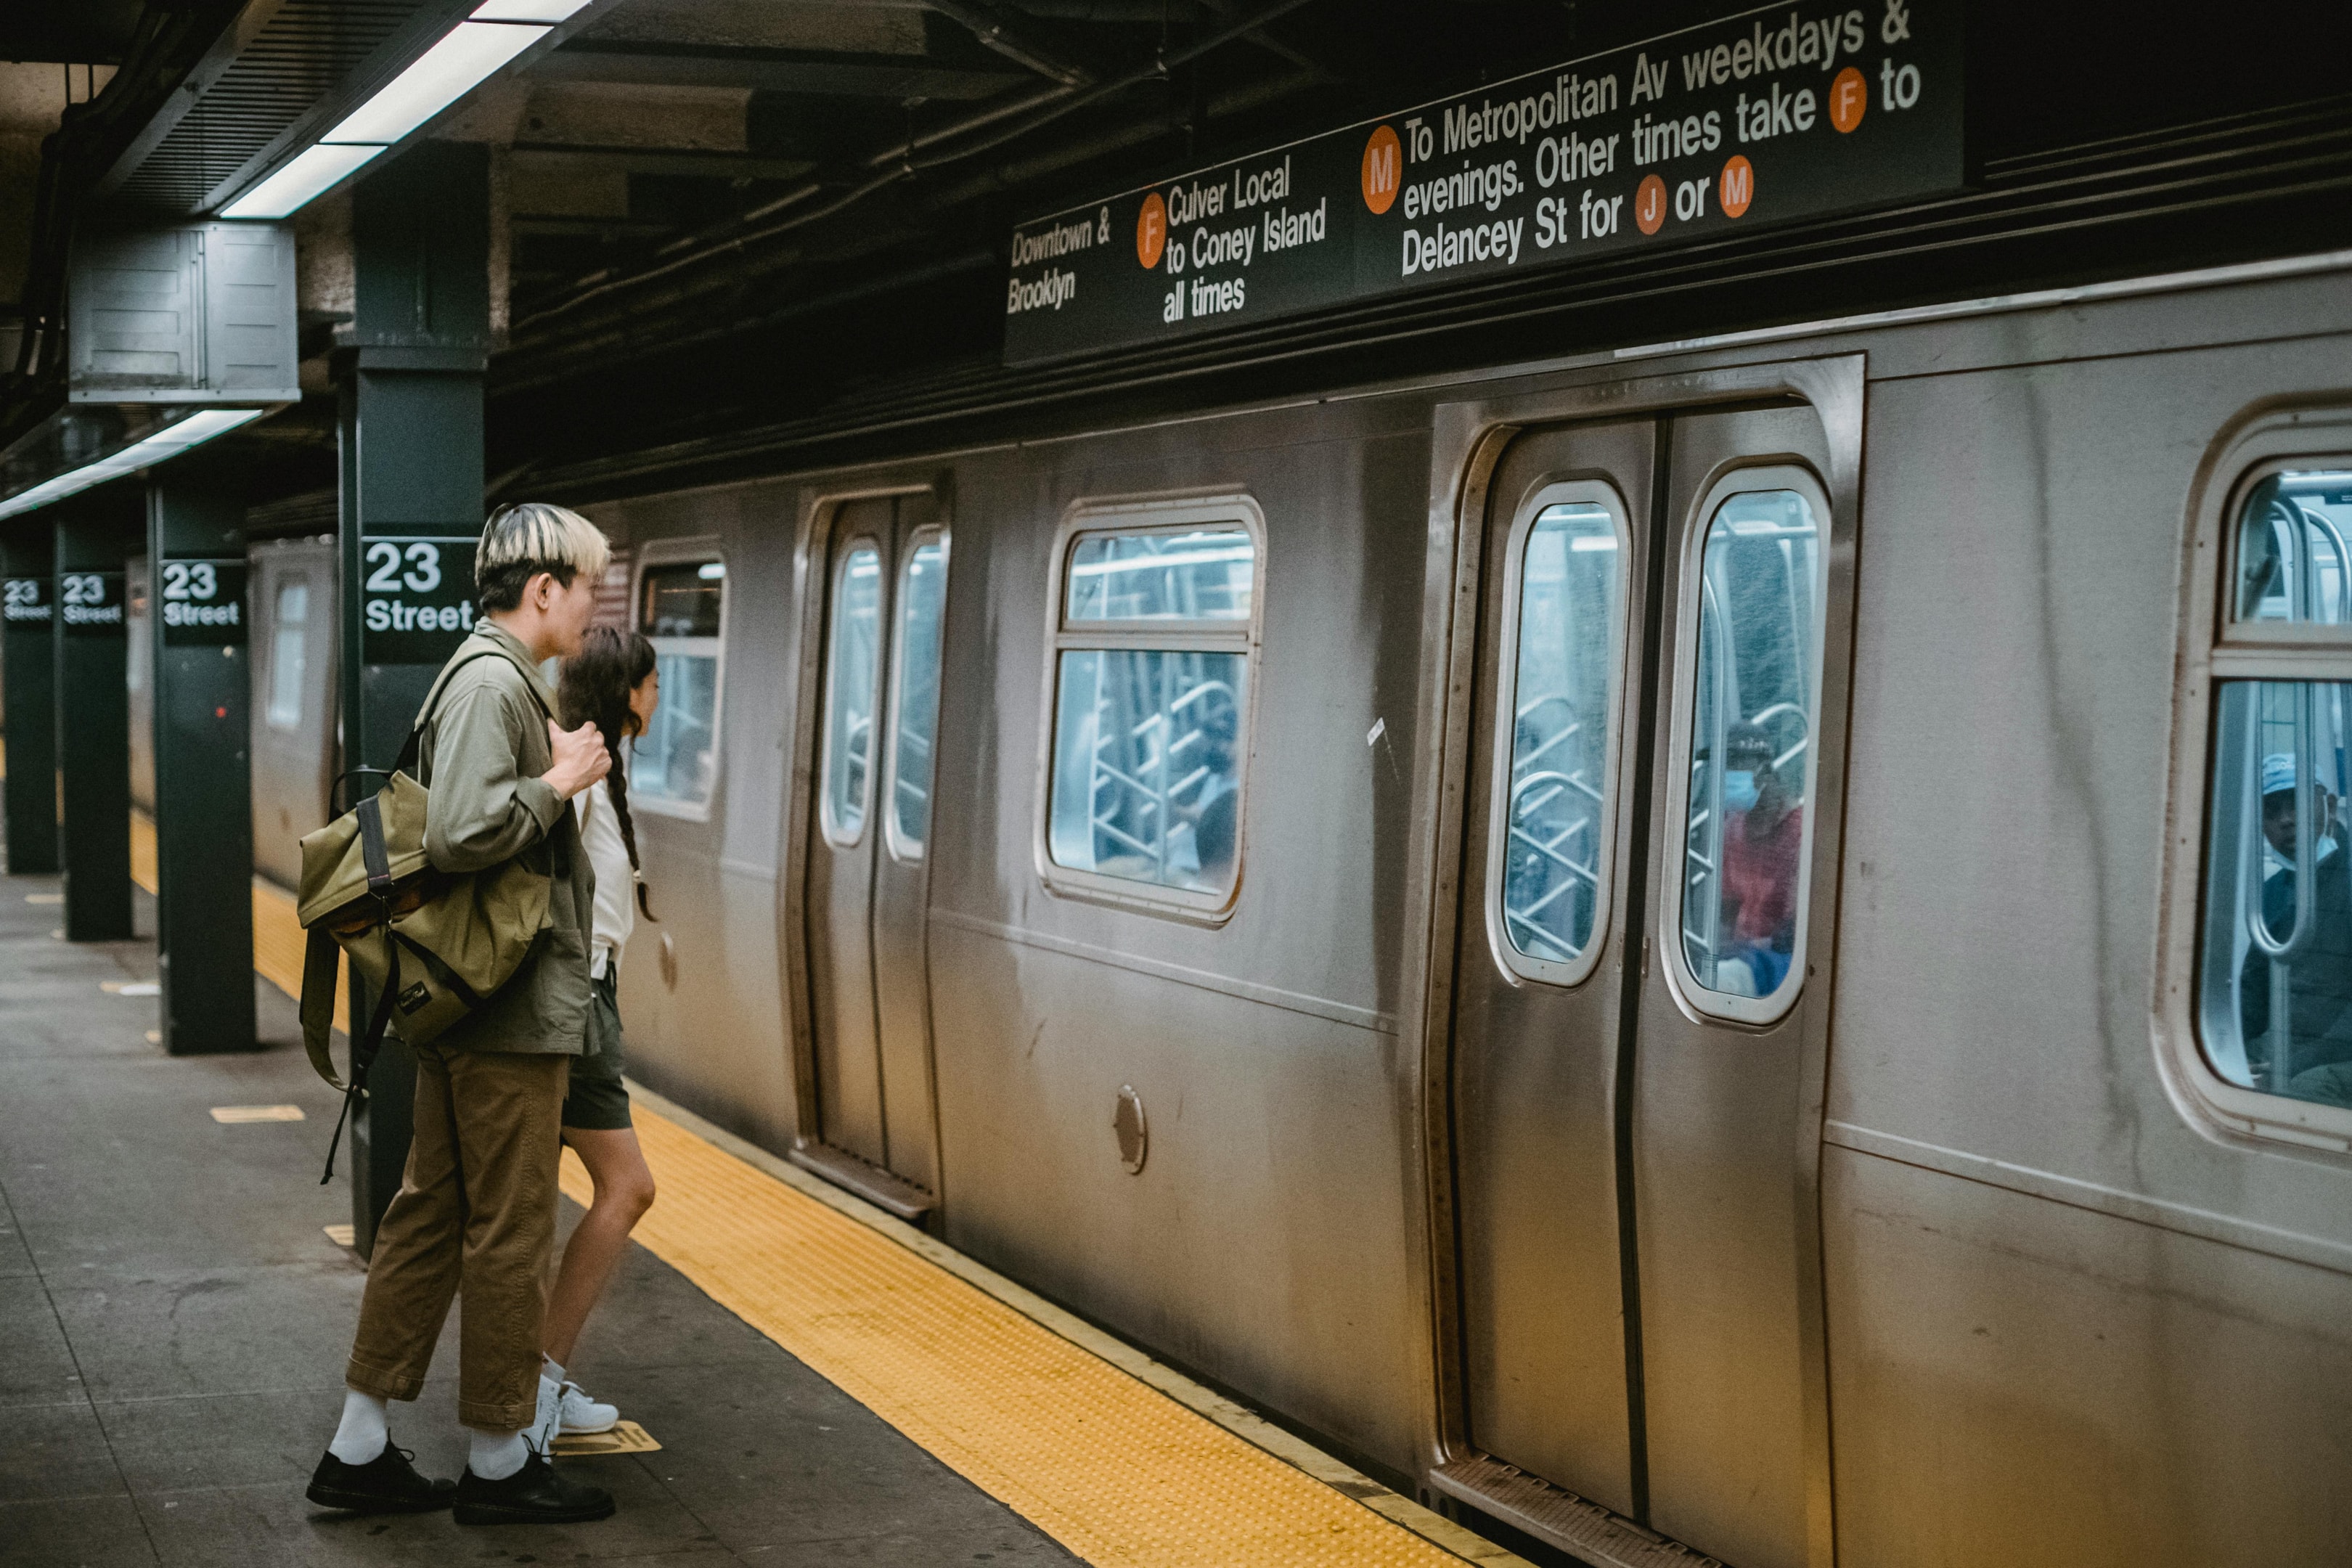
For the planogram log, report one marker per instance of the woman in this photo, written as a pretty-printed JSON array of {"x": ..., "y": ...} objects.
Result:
[{"x": 611, "y": 682}]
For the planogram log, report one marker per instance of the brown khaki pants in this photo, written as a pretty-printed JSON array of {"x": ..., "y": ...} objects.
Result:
[{"x": 476, "y": 1212}]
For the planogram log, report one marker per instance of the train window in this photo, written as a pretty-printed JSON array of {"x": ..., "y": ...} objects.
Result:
[
  {"x": 674, "y": 765},
  {"x": 1756, "y": 694},
  {"x": 1150, "y": 704},
  {"x": 289, "y": 654},
  {"x": 1566, "y": 576},
  {"x": 1197, "y": 575},
  {"x": 2275, "y": 986},
  {"x": 915, "y": 690},
  {"x": 2292, "y": 562},
  {"x": 851, "y": 677}
]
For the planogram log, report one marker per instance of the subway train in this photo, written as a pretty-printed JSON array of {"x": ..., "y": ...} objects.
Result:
[{"x": 1732, "y": 945}]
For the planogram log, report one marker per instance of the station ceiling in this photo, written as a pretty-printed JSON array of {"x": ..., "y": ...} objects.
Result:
[{"x": 725, "y": 213}]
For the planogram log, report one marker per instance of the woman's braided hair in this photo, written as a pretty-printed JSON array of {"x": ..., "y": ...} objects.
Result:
[{"x": 594, "y": 690}]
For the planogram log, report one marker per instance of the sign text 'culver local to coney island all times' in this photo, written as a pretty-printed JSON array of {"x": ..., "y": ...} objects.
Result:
[{"x": 1786, "y": 111}]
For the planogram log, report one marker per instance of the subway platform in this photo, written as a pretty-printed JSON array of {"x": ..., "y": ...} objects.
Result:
[{"x": 825, "y": 1383}]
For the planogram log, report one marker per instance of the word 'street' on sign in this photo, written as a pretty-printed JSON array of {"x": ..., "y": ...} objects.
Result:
[{"x": 1787, "y": 111}]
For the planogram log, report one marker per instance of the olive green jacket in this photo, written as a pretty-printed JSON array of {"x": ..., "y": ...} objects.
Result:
[{"x": 482, "y": 756}]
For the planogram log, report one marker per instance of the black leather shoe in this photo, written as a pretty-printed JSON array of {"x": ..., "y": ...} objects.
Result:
[
  {"x": 532, "y": 1495},
  {"x": 385, "y": 1484}
]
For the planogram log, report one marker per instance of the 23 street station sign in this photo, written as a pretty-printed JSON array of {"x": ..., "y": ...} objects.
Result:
[{"x": 1782, "y": 113}]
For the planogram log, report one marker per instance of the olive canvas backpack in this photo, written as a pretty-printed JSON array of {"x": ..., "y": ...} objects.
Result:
[{"x": 433, "y": 946}]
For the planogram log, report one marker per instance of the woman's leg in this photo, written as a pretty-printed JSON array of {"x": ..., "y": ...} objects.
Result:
[{"x": 624, "y": 1190}]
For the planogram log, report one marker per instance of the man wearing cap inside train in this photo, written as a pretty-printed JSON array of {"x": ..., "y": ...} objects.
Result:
[{"x": 2311, "y": 1058}]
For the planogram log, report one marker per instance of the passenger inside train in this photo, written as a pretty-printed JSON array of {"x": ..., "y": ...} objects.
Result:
[
  {"x": 1763, "y": 835},
  {"x": 2281, "y": 881}
]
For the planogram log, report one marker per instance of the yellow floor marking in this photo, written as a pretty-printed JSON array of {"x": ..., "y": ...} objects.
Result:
[
  {"x": 238, "y": 1114},
  {"x": 132, "y": 987},
  {"x": 44, "y": 897},
  {"x": 343, "y": 1234},
  {"x": 143, "y": 849},
  {"x": 1114, "y": 1470},
  {"x": 280, "y": 944},
  {"x": 625, "y": 1437},
  {"x": 154, "y": 1036}
]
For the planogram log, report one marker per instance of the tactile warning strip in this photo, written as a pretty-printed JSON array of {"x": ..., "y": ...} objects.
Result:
[{"x": 1112, "y": 1469}]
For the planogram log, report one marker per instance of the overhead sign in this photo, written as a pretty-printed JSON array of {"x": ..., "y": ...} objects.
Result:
[{"x": 1786, "y": 111}]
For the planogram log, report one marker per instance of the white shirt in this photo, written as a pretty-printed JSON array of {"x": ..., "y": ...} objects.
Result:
[{"x": 616, "y": 903}]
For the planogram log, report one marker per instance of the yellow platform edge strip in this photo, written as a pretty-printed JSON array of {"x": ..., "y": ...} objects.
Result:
[{"x": 1124, "y": 1461}]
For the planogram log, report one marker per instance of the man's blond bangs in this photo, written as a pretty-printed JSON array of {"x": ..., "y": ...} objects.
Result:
[{"x": 542, "y": 534}]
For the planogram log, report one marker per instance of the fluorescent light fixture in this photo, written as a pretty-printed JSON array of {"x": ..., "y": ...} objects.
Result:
[
  {"x": 169, "y": 442},
  {"x": 527, "y": 10},
  {"x": 441, "y": 76},
  {"x": 313, "y": 171}
]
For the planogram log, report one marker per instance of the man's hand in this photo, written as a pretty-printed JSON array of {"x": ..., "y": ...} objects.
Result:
[{"x": 580, "y": 759}]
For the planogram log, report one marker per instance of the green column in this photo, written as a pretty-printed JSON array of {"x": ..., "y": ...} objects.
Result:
[
  {"x": 28, "y": 665},
  {"x": 197, "y": 621},
  {"x": 93, "y": 714},
  {"x": 409, "y": 376}
]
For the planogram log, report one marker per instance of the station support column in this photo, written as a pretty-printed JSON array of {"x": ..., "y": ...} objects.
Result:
[
  {"x": 204, "y": 768},
  {"x": 409, "y": 377},
  {"x": 28, "y": 667},
  {"x": 93, "y": 716}
]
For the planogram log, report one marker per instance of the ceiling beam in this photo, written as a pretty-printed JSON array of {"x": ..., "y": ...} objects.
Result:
[{"x": 768, "y": 71}]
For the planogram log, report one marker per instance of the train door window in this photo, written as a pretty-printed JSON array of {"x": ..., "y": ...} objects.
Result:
[
  {"x": 852, "y": 676},
  {"x": 2275, "y": 988},
  {"x": 1754, "y": 702},
  {"x": 681, "y": 610},
  {"x": 915, "y": 690},
  {"x": 1150, "y": 703},
  {"x": 1549, "y": 869},
  {"x": 289, "y": 654}
]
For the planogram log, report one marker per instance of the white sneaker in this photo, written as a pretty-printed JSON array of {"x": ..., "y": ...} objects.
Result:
[
  {"x": 550, "y": 1417},
  {"x": 581, "y": 1414}
]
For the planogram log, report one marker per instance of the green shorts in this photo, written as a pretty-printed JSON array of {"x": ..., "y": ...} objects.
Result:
[{"x": 598, "y": 1102}]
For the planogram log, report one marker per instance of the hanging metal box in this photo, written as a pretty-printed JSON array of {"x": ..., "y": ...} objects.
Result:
[{"x": 198, "y": 315}]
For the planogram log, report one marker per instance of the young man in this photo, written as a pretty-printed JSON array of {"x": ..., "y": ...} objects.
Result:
[{"x": 476, "y": 1209}]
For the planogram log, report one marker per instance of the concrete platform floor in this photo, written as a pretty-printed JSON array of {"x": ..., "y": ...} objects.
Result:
[{"x": 173, "y": 1322}]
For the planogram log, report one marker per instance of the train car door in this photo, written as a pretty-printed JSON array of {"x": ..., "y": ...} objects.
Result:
[
  {"x": 870, "y": 1012},
  {"x": 1641, "y": 975}
]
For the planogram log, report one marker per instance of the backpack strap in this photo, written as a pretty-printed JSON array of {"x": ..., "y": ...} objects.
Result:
[
  {"x": 364, "y": 1052},
  {"x": 411, "y": 749}
]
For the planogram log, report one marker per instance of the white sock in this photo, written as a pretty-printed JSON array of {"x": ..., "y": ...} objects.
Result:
[
  {"x": 495, "y": 1456},
  {"x": 362, "y": 1434},
  {"x": 549, "y": 1369}
]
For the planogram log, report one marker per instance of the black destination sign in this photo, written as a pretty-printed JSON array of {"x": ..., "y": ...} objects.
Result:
[
  {"x": 89, "y": 604},
  {"x": 416, "y": 597},
  {"x": 204, "y": 602},
  {"x": 25, "y": 602},
  {"x": 1787, "y": 111}
]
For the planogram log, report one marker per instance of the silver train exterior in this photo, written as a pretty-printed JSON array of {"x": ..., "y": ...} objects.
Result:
[{"x": 1924, "y": 1233}]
